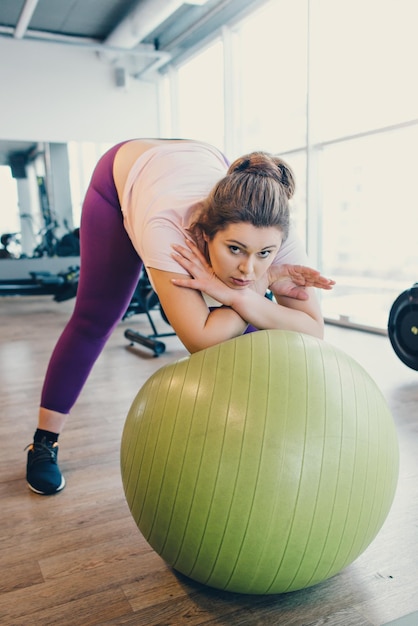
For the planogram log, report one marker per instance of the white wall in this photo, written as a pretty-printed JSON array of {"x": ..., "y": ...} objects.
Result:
[{"x": 60, "y": 93}]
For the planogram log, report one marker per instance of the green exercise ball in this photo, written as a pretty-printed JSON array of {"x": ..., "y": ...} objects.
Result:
[{"x": 262, "y": 465}]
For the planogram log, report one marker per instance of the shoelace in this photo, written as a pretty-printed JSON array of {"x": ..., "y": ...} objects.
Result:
[{"x": 43, "y": 452}]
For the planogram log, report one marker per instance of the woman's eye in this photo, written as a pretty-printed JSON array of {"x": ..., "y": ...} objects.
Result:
[
  {"x": 264, "y": 254},
  {"x": 234, "y": 249}
]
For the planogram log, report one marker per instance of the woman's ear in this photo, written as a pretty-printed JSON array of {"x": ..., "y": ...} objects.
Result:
[{"x": 206, "y": 240}]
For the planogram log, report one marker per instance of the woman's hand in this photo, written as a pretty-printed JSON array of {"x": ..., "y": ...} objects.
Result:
[
  {"x": 202, "y": 277},
  {"x": 292, "y": 280}
]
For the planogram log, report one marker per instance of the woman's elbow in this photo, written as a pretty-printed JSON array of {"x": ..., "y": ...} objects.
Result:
[{"x": 318, "y": 328}]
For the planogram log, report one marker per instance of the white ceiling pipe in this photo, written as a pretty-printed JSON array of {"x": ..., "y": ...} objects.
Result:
[
  {"x": 25, "y": 17},
  {"x": 145, "y": 50},
  {"x": 145, "y": 17}
]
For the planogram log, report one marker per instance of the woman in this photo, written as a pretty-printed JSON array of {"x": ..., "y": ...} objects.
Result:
[{"x": 201, "y": 229}]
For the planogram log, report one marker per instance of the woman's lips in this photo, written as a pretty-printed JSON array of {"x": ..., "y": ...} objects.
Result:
[{"x": 240, "y": 283}]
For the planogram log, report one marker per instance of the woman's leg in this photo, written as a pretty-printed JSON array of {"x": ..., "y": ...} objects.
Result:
[{"x": 109, "y": 272}]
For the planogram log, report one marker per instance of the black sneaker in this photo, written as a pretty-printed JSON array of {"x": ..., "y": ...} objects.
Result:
[{"x": 42, "y": 472}]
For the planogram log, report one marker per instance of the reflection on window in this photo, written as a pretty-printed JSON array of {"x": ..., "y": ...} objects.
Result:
[
  {"x": 271, "y": 59},
  {"x": 200, "y": 105},
  {"x": 370, "y": 222},
  {"x": 364, "y": 55}
]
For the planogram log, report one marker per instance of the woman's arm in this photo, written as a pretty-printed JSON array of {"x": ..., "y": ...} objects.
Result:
[
  {"x": 285, "y": 313},
  {"x": 196, "y": 326}
]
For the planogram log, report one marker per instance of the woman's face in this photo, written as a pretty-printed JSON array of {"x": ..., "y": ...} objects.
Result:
[{"x": 242, "y": 253}]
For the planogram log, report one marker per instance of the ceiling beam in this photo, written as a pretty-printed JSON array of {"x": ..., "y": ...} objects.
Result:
[{"x": 25, "y": 17}]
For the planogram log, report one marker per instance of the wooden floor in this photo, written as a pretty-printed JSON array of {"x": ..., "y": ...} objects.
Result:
[{"x": 78, "y": 557}]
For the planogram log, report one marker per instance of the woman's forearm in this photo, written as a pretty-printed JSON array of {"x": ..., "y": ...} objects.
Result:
[
  {"x": 222, "y": 323},
  {"x": 267, "y": 314}
]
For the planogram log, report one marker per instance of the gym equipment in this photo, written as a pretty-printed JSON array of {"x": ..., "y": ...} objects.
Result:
[
  {"x": 144, "y": 300},
  {"x": 63, "y": 286},
  {"x": 261, "y": 465},
  {"x": 6, "y": 240},
  {"x": 48, "y": 241},
  {"x": 403, "y": 327}
]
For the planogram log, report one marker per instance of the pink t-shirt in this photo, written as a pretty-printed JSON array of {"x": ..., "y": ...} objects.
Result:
[{"x": 161, "y": 191}]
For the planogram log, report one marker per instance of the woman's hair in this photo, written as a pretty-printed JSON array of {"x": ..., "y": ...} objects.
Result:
[{"x": 256, "y": 189}]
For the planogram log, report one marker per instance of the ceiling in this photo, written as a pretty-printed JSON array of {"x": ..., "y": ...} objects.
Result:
[{"x": 137, "y": 35}]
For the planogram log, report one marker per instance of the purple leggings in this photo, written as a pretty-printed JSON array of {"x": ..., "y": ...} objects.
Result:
[{"x": 109, "y": 273}]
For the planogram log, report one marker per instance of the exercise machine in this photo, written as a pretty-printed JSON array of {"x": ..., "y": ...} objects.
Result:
[
  {"x": 63, "y": 286},
  {"x": 403, "y": 327}
]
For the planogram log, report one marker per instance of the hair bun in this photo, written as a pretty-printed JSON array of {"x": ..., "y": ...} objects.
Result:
[{"x": 268, "y": 165}]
